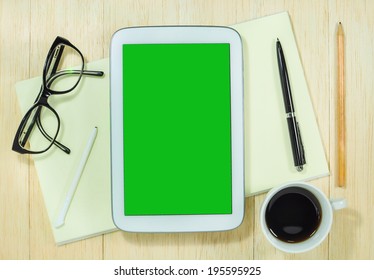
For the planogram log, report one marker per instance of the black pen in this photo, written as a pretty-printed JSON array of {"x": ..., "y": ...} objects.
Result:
[{"x": 293, "y": 126}]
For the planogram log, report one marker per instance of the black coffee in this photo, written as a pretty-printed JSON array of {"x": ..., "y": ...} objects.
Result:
[{"x": 293, "y": 214}]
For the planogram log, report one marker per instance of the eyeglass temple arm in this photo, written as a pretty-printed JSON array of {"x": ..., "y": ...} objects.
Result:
[
  {"x": 73, "y": 72},
  {"x": 56, "y": 60},
  {"x": 50, "y": 139},
  {"x": 67, "y": 72}
]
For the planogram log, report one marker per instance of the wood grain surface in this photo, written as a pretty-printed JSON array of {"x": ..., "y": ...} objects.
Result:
[{"x": 28, "y": 27}]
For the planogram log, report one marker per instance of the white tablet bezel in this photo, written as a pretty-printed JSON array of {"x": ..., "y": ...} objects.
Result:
[{"x": 177, "y": 34}]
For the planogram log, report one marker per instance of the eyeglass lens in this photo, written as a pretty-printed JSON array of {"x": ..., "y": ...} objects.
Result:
[
  {"x": 60, "y": 75},
  {"x": 40, "y": 129}
]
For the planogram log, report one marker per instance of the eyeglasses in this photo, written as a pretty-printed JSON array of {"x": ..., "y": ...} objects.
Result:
[{"x": 39, "y": 127}]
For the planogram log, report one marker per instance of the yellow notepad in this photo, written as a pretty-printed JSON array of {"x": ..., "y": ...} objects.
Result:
[
  {"x": 268, "y": 154},
  {"x": 80, "y": 111}
]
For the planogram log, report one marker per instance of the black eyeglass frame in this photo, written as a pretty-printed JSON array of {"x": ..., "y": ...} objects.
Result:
[{"x": 53, "y": 56}]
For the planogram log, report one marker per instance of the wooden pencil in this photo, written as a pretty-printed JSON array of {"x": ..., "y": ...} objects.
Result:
[{"x": 341, "y": 109}]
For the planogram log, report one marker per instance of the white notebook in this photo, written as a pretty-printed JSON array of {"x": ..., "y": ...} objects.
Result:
[
  {"x": 80, "y": 111},
  {"x": 268, "y": 154}
]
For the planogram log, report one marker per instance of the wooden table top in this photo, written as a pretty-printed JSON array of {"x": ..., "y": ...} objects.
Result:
[{"x": 27, "y": 29}]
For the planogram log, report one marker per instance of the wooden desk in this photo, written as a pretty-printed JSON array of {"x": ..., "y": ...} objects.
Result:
[{"x": 27, "y": 29}]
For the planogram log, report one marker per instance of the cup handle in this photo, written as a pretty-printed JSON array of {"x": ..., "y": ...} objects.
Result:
[{"x": 338, "y": 204}]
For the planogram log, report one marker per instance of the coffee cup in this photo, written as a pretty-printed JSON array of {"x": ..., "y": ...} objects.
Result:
[{"x": 296, "y": 217}]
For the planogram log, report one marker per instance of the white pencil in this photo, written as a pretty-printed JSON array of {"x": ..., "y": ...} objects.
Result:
[{"x": 60, "y": 220}]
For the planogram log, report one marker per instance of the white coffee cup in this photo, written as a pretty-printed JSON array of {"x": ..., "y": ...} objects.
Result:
[{"x": 327, "y": 206}]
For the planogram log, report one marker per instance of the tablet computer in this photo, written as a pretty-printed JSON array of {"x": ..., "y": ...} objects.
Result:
[{"x": 177, "y": 129}]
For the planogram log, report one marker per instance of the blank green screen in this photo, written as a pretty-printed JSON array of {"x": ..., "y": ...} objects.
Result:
[{"x": 177, "y": 132}]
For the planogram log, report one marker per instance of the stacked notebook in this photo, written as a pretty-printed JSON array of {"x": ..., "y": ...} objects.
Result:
[{"x": 268, "y": 155}]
